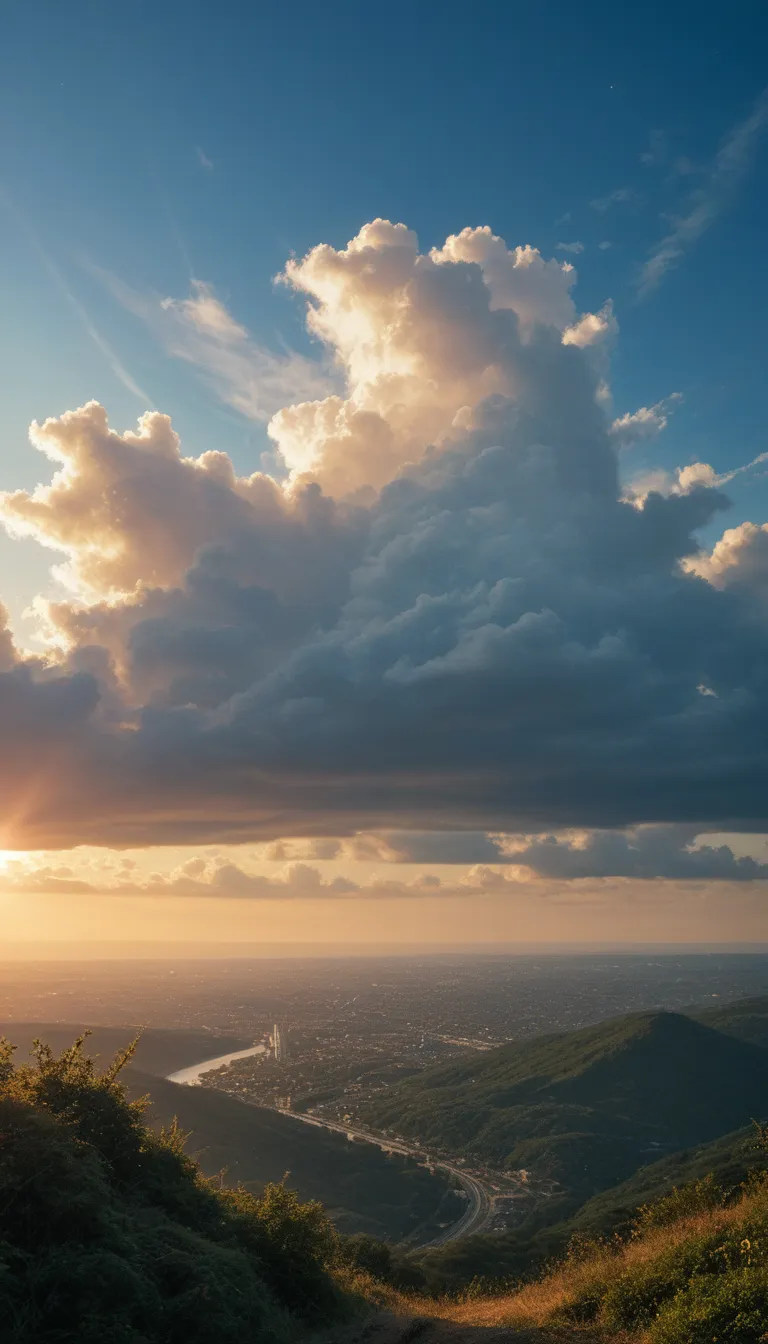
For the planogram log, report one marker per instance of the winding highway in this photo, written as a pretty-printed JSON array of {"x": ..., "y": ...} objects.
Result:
[{"x": 479, "y": 1208}]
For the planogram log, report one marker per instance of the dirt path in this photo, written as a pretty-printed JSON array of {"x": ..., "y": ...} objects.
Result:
[{"x": 387, "y": 1329}]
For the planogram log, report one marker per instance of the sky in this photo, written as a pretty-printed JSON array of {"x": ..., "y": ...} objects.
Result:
[{"x": 384, "y": 473}]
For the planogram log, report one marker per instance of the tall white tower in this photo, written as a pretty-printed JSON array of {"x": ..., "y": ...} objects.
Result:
[{"x": 280, "y": 1043}]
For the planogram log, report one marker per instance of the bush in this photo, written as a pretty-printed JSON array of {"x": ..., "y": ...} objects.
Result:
[
  {"x": 731, "y": 1309},
  {"x": 109, "y": 1232},
  {"x": 682, "y": 1202},
  {"x": 363, "y": 1252},
  {"x": 293, "y": 1243},
  {"x": 636, "y": 1297}
]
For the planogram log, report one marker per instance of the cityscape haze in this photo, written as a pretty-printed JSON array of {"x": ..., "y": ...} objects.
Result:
[{"x": 383, "y": 673}]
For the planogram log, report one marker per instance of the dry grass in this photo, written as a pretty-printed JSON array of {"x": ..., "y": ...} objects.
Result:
[
  {"x": 547, "y": 1304},
  {"x": 602, "y": 1294}
]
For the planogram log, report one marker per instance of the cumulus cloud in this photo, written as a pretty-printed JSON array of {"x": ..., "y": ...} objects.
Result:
[
  {"x": 646, "y": 422},
  {"x": 738, "y": 559},
  {"x": 422, "y": 340},
  {"x": 730, "y": 165},
  {"x": 132, "y": 514},
  {"x": 592, "y": 328},
  {"x": 498, "y": 865},
  {"x": 648, "y": 852},
  {"x": 446, "y": 617},
  {"x": 644, "y": 852},
  {"x": 680, "y": 481},
  {"x": 217, "y": 879}
]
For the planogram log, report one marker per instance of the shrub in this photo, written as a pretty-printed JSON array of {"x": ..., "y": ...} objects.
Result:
[
  {"x": 294, "y": 1244},
  {"x": 731, "y": 1308},
  {"x": 364, "y": 1252},
  {"x": 109, "y": 1232},
  {"x": 636, "y": 1296},
  {"x": 682, "y": 1202}
]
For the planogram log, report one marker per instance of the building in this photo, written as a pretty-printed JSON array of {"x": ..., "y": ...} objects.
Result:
[{"x": 280, "y": 1043}]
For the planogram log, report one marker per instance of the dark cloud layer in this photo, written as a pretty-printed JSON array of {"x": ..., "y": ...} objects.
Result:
[
  {"x": 495, "y": 639},
  {"x": 645, "y": 852}
]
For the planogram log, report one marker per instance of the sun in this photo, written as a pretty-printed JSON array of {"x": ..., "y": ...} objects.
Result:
[{"x": 8, "y": 856}]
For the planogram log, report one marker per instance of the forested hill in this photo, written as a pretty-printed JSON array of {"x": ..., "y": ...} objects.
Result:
[
  {"x": 746, "y": 1019},
  {"x": 588, "y": 1107},
  {"x": 386, "y": 1195},
  {"x": 108, "y": 1232},
  {"x": 363, "y": 1189}
]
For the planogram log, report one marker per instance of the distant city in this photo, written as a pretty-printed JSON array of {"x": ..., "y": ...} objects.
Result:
[{"x": 335, "y": 1034}]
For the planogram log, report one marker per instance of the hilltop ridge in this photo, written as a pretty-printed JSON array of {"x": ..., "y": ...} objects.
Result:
[{"x": 585, "y": 1108}]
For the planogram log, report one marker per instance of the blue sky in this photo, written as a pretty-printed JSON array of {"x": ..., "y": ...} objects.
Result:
[
  {"x": 159, "y": 166},
  {"x": 317, "y": 118}
]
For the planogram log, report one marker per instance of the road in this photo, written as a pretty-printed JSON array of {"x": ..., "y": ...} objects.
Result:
[{"x": 480, "y": 1203}]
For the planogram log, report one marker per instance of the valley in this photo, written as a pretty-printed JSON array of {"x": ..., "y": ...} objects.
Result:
[{"x": 412, "y": 1124}]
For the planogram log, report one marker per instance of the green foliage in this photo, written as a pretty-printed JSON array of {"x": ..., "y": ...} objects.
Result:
[
  {"x": 109, "y": 1232},
  {"x": 731, "y": 1309},
  {"x": 585, "y": 1108},
  {"x": 701, "y": 1276},
  {"x": 294, "y": 1244},
  {"x": 746, "y": 1019},
  {"x": 363, "y": 1188},
  {"x": 635, "y": 1298},
  {"x": 682, "y": 1202},
  {"x": 366, "y": 1253}
]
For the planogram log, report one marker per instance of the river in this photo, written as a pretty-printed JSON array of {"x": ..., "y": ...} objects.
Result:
[
  {"x": 191, "y": 1075},
  {"x": 480, "y": 1205}
]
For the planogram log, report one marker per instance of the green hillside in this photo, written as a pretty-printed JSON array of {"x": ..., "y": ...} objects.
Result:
[
  {"x": 728, "y": 1160},
  {"x": 110, "y": 1235},
  {"x": 363, "y": 1189},
  {"x": 746, "y": 1019},
  {"x": 586, "y": 1108},
  {"x": 694, "y": 1270}
]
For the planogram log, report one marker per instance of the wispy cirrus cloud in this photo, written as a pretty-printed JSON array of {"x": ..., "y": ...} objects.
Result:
[
  {"x": 729, "y": 166},
  {"x": 200, "y": 330},
  {"x": 621, "y": 196},
  {"x": 77, "y": 307}
]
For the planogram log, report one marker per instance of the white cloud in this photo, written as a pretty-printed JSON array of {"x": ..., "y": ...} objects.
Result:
[
  {"x": 205, "y": 313},
  {"x": 575, "y": 248},
  {"x": 684, "y": 479},
  {"x": 738, "y": 559},
  {"x": 730, "y": 164},
  {"x": 420, "y": 339},
  {"x": 646, "y": 422},
  {"x": 592, "y": 328},
  {"x": 203, "y": 159},
  {"x": 201, "y": 331},
  {"x": 447, "y": 617}
]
